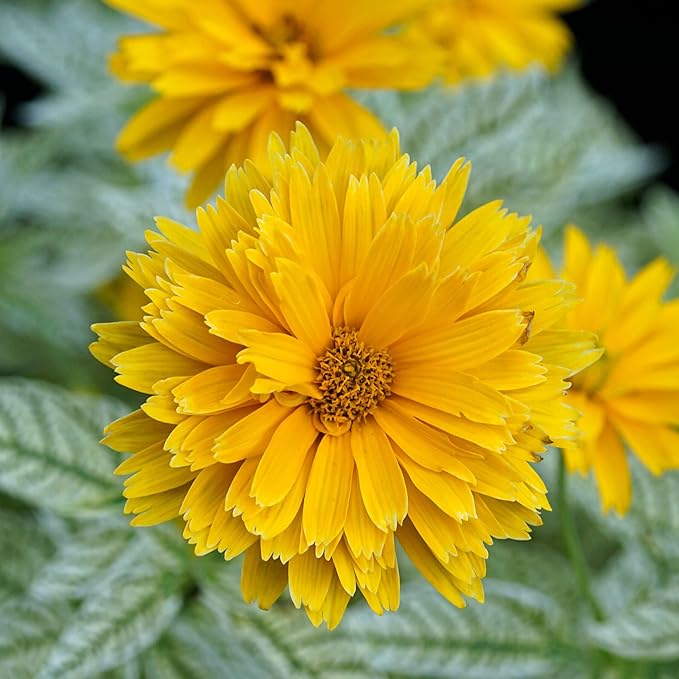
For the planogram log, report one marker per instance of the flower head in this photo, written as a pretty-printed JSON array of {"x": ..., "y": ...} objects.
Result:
[
  {"x": 227, "y": 72},
  {"x": 631, "y": 395},
  {"x": 333, "y": 363},
  {"x": 480, "y": 37}
]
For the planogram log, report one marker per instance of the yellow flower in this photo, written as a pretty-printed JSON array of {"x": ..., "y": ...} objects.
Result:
[
  {"x": 480, "y": 37},
  {"x": 631, "y": 395},
  {"x": 334, "y": 362},
  {"x": 228, "y": 72}
]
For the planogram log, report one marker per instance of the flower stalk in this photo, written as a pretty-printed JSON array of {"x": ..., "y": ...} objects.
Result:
[{"x": 573, "y": 544}]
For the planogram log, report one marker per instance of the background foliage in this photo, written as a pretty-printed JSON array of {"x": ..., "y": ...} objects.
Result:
[{"x": 84, "y": 595}]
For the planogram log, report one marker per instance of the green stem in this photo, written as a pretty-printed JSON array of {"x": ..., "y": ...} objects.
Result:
[{"x": 573, "y": 544}]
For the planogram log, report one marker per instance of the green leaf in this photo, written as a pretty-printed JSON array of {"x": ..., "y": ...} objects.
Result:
[
  {"x": 637, "y": 586},
  {"x": 545, "y": 146},
  {"x": 25, "y": 546},
  {"x": 132, "y": 604},
  {"x": 266, "y": 637},
  {"x": 519, "y": 632},
  {"x": 628, "y": 578},
  {"x": 76, "y": 568},
  {"x": 516, "y": 562},
  {"x": 49, "y": 449},
  {"x": 28, "y": 631},
  {"x": 31, "y": 37},
  {"x": 206, "y": 642},
  {"x": 647, "y": 631},
  {"x": 653, "y": 519}
]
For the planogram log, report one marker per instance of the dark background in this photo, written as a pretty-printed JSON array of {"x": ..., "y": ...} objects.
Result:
[{"x": 629, "y": 52}]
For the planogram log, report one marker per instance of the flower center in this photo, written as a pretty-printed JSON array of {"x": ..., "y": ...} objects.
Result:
[
  {"x": 353, "y": 379},
  {"x": 286, "y": 31}
]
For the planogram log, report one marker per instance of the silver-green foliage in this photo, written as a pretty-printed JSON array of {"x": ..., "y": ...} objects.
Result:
[
  {"x": 547, "y": 147},
  {"x": 49, "y": 450},
  {"x": 88, "y": 596}
]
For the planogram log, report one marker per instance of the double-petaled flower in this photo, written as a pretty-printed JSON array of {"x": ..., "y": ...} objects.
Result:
[{"x": 334, "y": 363}]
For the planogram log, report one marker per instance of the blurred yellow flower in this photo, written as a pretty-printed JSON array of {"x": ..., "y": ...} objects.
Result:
[
  {"x": 631, "y": 395},
  {"x": 479, "y": 37},
  {"x": 228, "y": 72},
  {"x": 332, "y": 363},
  {"x": 123, "y": 297}
]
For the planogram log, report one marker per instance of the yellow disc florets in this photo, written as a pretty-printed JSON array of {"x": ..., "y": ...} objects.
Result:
[{"x": 353, "y": 379}]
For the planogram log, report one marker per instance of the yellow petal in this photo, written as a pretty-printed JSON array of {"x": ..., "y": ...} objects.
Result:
[
  {"x": 309, "y": 580},
  {"x": 339, "y": 115},
  {"x": 334, "y": 605},
  {"x": 280, "y": 357},
  {"x": 134, "y": 432},
  {"x": 229, "y": 535},
  {"x": 182, "y": 81},
  {"x": 204, "y": 393},
  {"x": 452, "y": 495},
  {"x": 207, "y": 178},
  {"x": 604, "y": 280},
  {"x": 154, "y": 509},
  {"x": 282, "y": 523},
  {"x": 453, "y": 393},
  {"x": 387, "y": 260},
  {"x": 192, "y": 441},
  {"x": 186, "y": 332},
  {"x": 114, "y": 338},
  {"x": 609, "y": 462},
  {"x": 237, "y": 109},
  {"x": 577, "y": 255},
  {"x": 228, "y": 324},
  {"x": 573, "y": 349},
  {"x": 327, "y": 497},
  {"x": 402, "y": 307},
  {"x": 434, "y": 526},
  {"x": 464, "y": 344},
  {"x": 648, "y": 407},
  {"x": 380, "y": 479},
  {"x": 146, "y": 133},
  {"x": 655, "y": 445},
  {"x": 479, "y": 232},
  {"x": 344, "y": 568},
  {"x": 428, "y": 447},
  {"x": 262, "y": 581},
  {"x": 639, "y": 307},
  {"x": 303, "y": 304},
  {"x": 453, "y": 188},
  {"x": 513, "y": 369},
  {"x": 250, "y": 436},
  {"x": 198, "y": 141},
  {"x": 428, "y": 565},
  {"x": 156, "y": 475},
  {"x": 312, "y": 204},
  {"x": 163, "y": 408},
  {"x": 206, "y": 495},
  {"x": 168, "y": 14},
  {"x": 140, "y": 368},
  {"x": 363, "y": 537},
  {"x": 358, "y": 225},
  {"x": 284, "y": 457}
]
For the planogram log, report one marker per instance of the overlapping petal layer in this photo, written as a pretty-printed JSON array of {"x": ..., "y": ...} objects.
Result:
[
  {"x": 228, "y": 72},
  {"x": 631, "y": 395},
  {"x": 480, "y": 37},
  {"x": 334, "y": 362}
]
